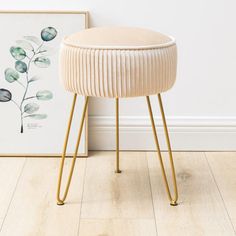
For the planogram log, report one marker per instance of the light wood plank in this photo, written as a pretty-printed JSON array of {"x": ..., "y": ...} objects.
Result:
[
  {"x": 223, "y": 166},
  {"x": 118, "y": 227},
  {"x": 33, "y": 210},
  {"x": 200, "y": 211},
  {"x": 111, "y": 195},
  {"x": 10, "y": 170}
]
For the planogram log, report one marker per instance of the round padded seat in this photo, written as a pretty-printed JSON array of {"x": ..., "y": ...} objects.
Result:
[{"x": 118, "y": 62}]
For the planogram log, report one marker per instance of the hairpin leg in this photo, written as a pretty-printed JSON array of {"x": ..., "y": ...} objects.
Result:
[
  {"x": 117, "y": 138},
  {"x": 60, "y": 201},
  {"x": 173, "y": 200}
]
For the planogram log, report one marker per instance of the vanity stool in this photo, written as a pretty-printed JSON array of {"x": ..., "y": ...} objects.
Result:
[{"x": 118, "y": 62}]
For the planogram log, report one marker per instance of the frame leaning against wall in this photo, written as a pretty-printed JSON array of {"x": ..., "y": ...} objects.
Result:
[{"x": 57, "y": 154}]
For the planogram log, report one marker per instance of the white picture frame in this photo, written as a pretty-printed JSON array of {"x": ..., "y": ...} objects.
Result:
[{"x": 34, "y": 124}]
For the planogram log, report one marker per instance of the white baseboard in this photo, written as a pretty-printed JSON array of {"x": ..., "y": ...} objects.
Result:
[{"x": 186, "y": 133}]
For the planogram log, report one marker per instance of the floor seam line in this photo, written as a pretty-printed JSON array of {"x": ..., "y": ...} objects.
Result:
[
  {"x": 149, "y": 180},
  {"x": 82, "y": 196},
  {"x": 119, "y": 218},
  {"x": 209, "y": 166},
  {"x": 13, "y": 194}
]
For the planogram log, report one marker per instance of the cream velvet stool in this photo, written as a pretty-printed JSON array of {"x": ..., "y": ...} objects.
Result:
[{"x": 118, "y": 62}]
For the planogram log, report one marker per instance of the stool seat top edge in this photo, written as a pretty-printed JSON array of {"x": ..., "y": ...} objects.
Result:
[{"x": 118, "y": 38}]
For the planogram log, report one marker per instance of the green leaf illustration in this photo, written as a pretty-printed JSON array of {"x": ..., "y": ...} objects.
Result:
[
  {"x": 11, "y": 75},
  {"x": 25, "y": 45},
  {"x": 44, "y": 95},
  {"x": 37, "y": 116},
  {"x": 48, "y": 34},
  {"x": 47, "y": 51},
  {"x": 31, "y": 108},
  {"x": 27, "y": 51},
  {"x": 34, "y": 78},
  {"x": 5, "y": 95},
  {"x": 20, "y": 66},
  {"x": 42, "y": 62},
  {"x": 18, "y": 53}
]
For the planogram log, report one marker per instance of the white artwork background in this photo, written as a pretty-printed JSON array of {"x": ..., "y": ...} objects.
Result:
[{"x": 40, "y": 136}]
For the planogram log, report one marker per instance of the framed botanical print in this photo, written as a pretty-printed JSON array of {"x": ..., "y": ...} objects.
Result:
[{"x": 34, "y": 107}]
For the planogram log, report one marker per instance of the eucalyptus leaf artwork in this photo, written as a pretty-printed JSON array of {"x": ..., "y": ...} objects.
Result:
[{"x": 29, "y": 51}]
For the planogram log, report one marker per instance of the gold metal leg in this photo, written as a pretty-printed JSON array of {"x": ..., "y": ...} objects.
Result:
[
  {"x": 173, "y": 200},
  {"x": 60, "y": 201},
  {"x": 117, "y": 138}
]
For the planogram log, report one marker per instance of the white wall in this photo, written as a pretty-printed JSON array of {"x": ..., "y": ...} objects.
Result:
[{"x": 202, "y": 103}]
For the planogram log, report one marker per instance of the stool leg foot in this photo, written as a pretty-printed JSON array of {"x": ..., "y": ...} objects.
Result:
[
  {"x": 60, "y": 201},
  {"x": 173, "y": 200},
  {"x": 117, "y": 138},
  {"x": 173, "y": 203}
]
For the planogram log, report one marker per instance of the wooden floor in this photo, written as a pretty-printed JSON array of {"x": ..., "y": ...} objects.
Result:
[{"x": 134, "y": 202}]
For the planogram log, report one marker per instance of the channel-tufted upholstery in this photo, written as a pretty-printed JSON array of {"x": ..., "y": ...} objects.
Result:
[{"x": 118, "y": 62}]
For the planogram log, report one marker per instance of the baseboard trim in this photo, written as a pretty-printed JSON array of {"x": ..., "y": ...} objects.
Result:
[{"x": 186, "y": 133}]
